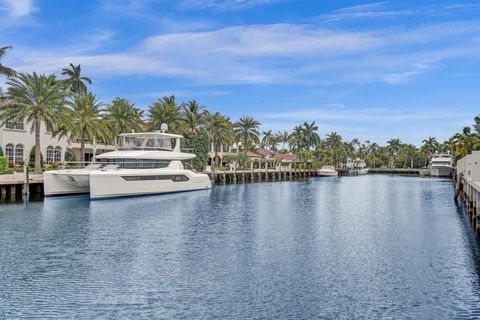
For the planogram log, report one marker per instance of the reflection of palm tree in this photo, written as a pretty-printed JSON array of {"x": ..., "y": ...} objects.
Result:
[
  {"x": 75, "y": 81},
  {"x": 39, "y": 99},
  {"x": 246, "y": 130}
]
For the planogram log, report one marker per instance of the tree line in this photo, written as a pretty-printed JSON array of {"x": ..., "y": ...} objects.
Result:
[{"x": 67, "y": 107}]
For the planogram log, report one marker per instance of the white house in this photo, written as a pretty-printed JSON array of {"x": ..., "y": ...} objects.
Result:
[{"x": 17, "y": 141}]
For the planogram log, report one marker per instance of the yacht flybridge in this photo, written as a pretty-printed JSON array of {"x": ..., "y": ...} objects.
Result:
[{"x": 145, "y": 163}]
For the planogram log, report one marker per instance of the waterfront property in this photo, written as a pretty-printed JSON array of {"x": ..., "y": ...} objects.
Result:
[
  {"x": 373, "y": 246},
  {"x": 18, "y": 142}
]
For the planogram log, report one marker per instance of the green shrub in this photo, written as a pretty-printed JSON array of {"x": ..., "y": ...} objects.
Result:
[
  {"x": 4, "y": 169},
  {"x": 199, "y": 144},
  {"x": 32, "y": 156},
  {"x": 70, "y": 155}
]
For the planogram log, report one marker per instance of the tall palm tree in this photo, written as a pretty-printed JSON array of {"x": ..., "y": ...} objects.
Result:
[
  {"x": 220, "y": 132},
  {"x": 393, "y": 146},
  {"x": 194, "y": 115},
  {"x": 75, "y": 82},
  {"x": 122, "y": 116},
  {"x": 334, "y": 142},
  {"x": 430, "y": 144},
  {"x": 39, "y": 99},
  {"x": 6, "y": 71},
  {"x": 246, "y": 130},
  {"x": 464, "y": 142},
  {"x": 166, "y": 111},
  {"x": 87, "y": 119},
  {"x": 283, "y": 138},
  {"x": 266, "y": 139},
  {"x": 312, "y": 139},
  {"x": 297, "y": 138}
]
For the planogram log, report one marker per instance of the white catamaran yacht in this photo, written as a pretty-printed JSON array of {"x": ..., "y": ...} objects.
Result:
[{"x": 145, "y": 163}]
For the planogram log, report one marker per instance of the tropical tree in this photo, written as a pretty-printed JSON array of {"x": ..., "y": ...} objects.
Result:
[
  {"x": 194, "y": 115},
  {"x": 88, "y": 123},
  {"x": 38, "y": 99},
  {"x": 310, "y": 135},
  {"x": 430, "y": 144},
  {"x": 297, "y": 138},
  {"x": 122, "y": 116},
  {"x": 266, "y": 139},
  {"x": 75, "y": 82},
  {"x": 393, "y": 147},
  {"x": 6, "y": 71},
  {"x": 246, "y": 131},
  {"x": 220, "y": 131},
  {"x": 283, "y": 138},
  {"x": 166, "y": 111},
  {"x": 334, "y": 142},
  {"x": 463, "y": 142}
]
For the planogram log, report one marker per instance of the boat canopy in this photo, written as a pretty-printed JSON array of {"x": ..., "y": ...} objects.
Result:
[{"x": 150, "y": 141}]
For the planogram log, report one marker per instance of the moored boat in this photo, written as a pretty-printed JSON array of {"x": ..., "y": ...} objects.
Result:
[
  {"x": 327, "y": 171},
  {"x": 146, "y": 163}
]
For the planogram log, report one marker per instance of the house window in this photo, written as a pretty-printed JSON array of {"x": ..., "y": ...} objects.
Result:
[
  {"x": 57, "y": 156},
  {"x": 18, "y": 153},
  {"x": 14, "y": 125},
  {"x": 49, "y": 154},
  {"x": 9, "y": 152}
]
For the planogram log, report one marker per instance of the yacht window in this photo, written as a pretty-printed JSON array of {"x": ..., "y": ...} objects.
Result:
[
  {"x": 150, "y": 143},
  {"x": 174, "y": 177}
]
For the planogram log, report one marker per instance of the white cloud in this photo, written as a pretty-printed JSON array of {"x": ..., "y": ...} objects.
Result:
[{"x": 17, "y": 8}]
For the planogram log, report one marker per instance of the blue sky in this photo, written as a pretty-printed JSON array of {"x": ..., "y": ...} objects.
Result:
[{"x": 370, "y": 70}]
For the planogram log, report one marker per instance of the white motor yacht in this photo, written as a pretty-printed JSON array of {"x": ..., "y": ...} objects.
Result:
[
  {"x": 327, "y": 171},
  {"x": 441, "y": 166},
  {"x": 145, "y": 163}
]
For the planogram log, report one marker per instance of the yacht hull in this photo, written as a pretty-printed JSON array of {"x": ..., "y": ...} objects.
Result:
[
  {"x": 106, "y": 184},
  {"x": 441, "y": 171},
  {"x": 66, "y": 182},
  {"x": 327, "y": 173},
  {"x": 123, "y": 183}
]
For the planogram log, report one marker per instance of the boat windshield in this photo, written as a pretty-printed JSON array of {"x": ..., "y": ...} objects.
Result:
[
  {"x": 135, "y": 163},
  {"x": 145, "y": 142}
]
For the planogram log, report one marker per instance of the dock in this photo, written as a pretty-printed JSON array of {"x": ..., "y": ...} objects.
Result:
[
  {"x": 16, "y": 186},
  {"x": 467, "y": 187}
]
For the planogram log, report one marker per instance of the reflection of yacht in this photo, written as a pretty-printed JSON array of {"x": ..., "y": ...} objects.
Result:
[
  {"x": 356, "y": 166},
  {"x": 146, "y": 163},
  {"x": 327, "y": 171},
  {"x": 441, "y": 166}
]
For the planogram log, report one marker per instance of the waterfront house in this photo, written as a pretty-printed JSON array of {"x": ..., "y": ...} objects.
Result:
[{"x": 17, "y": 142}]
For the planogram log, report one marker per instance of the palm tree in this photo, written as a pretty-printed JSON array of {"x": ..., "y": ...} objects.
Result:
[
  {"x": 166, "y": 111},
  {"x": 334, "y": 142},
  {"x": 311, "y": 136},
  {"x": 75, "y": 82},
  {"x": 297, "y": 138},
  {"x": 283, "y": 137},
  {"x": 463, "y": 142},
  {"x": 430, "y": 144},
  {"x": 194, "y": 115},
  {"x": 393, "y": 146},
  {"x": 246, "y": 130},
  {"x": 122, "y": 116},
  {"x": 87, "y": 119},
  {"x": 6, "y": 71},
  {"x": 39, "y": 99},
  {"x": 219, "y": 129},
  {"x": 476, "y": 126}
]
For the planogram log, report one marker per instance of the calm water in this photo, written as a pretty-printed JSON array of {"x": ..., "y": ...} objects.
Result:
[{"x": 354, "y": 247}]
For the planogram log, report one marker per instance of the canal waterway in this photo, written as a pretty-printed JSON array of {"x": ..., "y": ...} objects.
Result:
[{"x": 325, "y": 248}]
